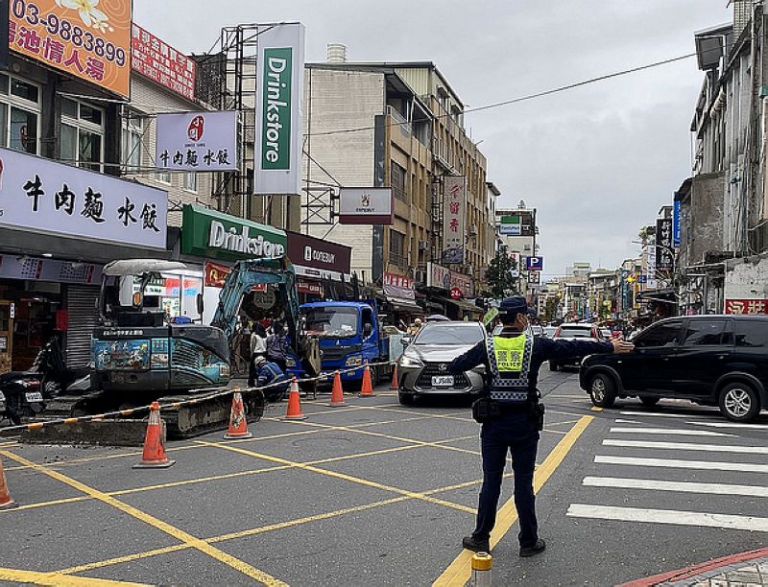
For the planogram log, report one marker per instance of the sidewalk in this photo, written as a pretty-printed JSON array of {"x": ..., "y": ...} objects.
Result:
[{"x": 749, "y": 569}]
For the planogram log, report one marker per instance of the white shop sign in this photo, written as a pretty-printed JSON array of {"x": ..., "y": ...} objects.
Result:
[
  {"x": 197, "y": 141},
  {"x": 40, "y": 195}
]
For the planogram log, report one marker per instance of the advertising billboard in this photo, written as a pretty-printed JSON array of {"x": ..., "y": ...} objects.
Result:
[
  {"x": 88, "y": 40},
  {"x": 454, "y": 218},
  {"x": 665, "y": 261},
  {"x": 314, "y": 257},
  {"x": 197, "y": 141},
  {"x": 516, "y": 222},
  {"x": 279, "y": 126},
  {"x": 366, "y": 206},
  {"x": 163, "y": 64},
  {"x": 40, "y": 195}
]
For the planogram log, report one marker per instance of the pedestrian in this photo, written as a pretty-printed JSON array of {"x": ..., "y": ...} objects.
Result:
[
  {"x": 415, "y": 328},
  {"x": 258, "y": 345},
  {"x": 512, "y": 415},
  {"x": 269, "y": 373},
  {"x": 277, "y": 345}
]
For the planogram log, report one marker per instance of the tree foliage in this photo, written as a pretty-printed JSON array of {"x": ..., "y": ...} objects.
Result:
[{"x": 499, "y": 274}]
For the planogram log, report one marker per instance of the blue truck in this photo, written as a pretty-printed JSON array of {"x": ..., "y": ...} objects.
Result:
[{"x": 350, "y": 335}]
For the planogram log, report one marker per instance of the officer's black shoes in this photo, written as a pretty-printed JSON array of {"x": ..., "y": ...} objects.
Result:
[
  {"x": 540, "y": 546},
  {"x": 476, "y": 544}
]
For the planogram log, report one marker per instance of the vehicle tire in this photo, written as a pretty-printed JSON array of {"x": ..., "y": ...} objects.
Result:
[
  {"x": 649, "y": 402},
  {"x": 739, "y": 402},
  {"x": 553, "y": 366},
  {"x": 406, "y": 399},
  {"x": 602, "y": 390}
]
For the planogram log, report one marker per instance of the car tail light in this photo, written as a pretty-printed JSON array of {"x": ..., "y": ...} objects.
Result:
[{"x": 31, "y": 384}]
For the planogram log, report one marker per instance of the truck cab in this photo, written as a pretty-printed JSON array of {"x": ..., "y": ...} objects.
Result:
[{"x": 350, "y": 336}]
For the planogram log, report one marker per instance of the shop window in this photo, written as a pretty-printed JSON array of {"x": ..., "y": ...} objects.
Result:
[
  {"x": 82, "y": 134},
  {"x": 131, "y": 142},
  {"x": 398, "y": 182},
  {"x": 397, "y": 249},
  {"x": 19, "y": 114},
  {"x": 190, "y": 182},
  {"x": 164, "y": 177}
]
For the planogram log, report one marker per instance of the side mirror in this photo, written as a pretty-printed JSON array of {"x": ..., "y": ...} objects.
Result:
[{"x": 200, "y": 304}]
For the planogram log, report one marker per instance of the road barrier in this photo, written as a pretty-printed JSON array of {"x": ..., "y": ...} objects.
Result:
[
  {"x": 294, "y": 403},
  {"x": 6, "y": 502},
  {"x": 217, "y": 392},
  {"x": 367, "y": 387},
  {"x": 154, "y": 456},
  {"x": 395, "y": 385},
  {"x": 337, "y": 395},
  {"x": 238, "y": 423}
]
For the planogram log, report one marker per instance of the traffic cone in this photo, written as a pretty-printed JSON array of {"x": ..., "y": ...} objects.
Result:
[
  {"x": 367, "y": 389},
  {"x": 337, "y": 395},
  {"x": 154, "y": 456},
  {"x": 395, "y": 380},
  {"x": 6, "y": 502},
  {"x": 294, "y": 403},
  {"x": 238, "y": 424}
]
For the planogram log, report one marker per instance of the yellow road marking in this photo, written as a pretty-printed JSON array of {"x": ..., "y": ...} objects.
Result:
[
  {"x": 57, "y": 580},
  {"x": 344, "y": 477},
  {"x": 561, "y": 423},
  {"x": 263, "y": 529},
  {"x": 156, "y": 523},
  {"x": 596, "y": 409},
  {"x": 458, "y": 573}
]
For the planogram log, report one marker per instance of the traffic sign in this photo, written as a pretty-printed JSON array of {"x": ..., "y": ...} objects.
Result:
[{"x": 534, "y": 263}]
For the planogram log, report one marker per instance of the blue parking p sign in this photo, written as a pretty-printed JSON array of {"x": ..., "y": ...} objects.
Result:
[{"x": 534, "y": 263}]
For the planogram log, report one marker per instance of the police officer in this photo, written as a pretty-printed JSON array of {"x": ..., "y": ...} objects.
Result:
[{"x": 512, "y": 416}]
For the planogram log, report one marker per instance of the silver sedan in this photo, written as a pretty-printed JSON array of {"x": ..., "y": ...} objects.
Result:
[{"x": 424, "y": 367}]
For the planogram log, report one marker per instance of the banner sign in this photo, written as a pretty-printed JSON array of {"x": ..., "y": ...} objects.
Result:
[
  {"x": 373, "y": 206},
  {"x": 516, "y": 223},
  {"x": 397, "y": 286},
  {"x": 516, "y": 260},
  {"x": 88, "y": 40},
  {"x": 197, "y": 141},
  {"x": 215, "y": 235},
  {"x": 310, "y": 289},
  {"x": 216, "y": 275},
  {"x": 665, "y": 261},
  {"x": 40, "y": 195},
  {"x": 677, "y": 229},
  {"x": 279, "y": 96},
  {"x": 30, "y": 268},
  {"x": 315, "y": 253},
  {"x": 746, "y": 306},
  {"x": 442, "y": 278},
  {"x": 454, "y": 218},
  {"x": 163, "y": 64},
  {"x": 463, "y": 283}
]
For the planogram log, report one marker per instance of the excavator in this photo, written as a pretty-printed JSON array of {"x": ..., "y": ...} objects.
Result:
[{"x": 140, "y": 356}]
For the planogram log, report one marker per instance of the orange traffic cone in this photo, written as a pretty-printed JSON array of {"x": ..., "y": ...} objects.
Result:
[
  {"x": 238, "y": 424},
  {"x": 395, "y": 380},
  {"x": 337, "y": 395},
  {"x": 367, "y": 389},
  {"x": 294, "y": 403},
  {"x": 154, "y": 456},
  {"x": 5, "y": 497}
]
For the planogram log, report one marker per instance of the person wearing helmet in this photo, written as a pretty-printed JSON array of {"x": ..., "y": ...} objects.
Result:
[{"x": 512, "y": 415}]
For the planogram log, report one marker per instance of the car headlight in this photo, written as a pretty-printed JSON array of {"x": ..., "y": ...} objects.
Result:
[
  {"x": 354, "y": 361},
  {"x": 480, "y": 369},
  {"x": 410, "y": 361}
]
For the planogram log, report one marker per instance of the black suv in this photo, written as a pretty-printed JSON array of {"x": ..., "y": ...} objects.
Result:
[{"x": 711, "y": 360}]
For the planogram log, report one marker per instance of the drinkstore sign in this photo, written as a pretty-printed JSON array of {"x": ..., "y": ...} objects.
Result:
[
  {"x": 210, "y": 234},
  {"x": 87, "y": 39}
]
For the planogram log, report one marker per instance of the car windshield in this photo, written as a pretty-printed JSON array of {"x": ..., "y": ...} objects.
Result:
[
  {"x": 576, "y": 332},
  {"x": 449, "y": 335},
  {"x": 331, "y": 322}
]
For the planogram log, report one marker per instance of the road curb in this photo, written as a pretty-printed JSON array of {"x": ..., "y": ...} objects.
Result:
[{"x": 700, "y": 570}]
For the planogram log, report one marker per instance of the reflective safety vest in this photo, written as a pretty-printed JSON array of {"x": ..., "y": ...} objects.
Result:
[{"x": 510, "y": 362}]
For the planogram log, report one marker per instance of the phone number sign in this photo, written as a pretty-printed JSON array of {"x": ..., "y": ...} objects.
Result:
[{"x": 88, "y": 40}]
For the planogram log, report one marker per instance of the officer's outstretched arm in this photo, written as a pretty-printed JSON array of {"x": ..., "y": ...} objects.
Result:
[
  {"x": 469, "y": 360},
  {"x": 566, "y": 349}
]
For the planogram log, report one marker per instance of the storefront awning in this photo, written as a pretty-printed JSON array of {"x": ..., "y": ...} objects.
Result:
[
  {"x": 462, "y": 305},
  {"x": 661, "y": 296},
  {"x": 404, "y": 305}
]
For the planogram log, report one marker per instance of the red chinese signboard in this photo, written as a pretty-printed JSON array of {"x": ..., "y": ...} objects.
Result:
[
  {"x": 746, "y": 306},
  {"x": 311, "y": 289},
  {"x": 162, "y": 63},
  {"x": 456, "y": 294},
  {"x": 397, "y": 286},
  {"x": 89, "y": 40},
  {"x": 216, "y": 275}
]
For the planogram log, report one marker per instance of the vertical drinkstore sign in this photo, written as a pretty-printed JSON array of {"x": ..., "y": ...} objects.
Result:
[{"x": 280, "y": 88}]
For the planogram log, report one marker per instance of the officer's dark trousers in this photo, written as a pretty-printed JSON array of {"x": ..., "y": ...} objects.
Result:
[{"x": 517, "y": 433}]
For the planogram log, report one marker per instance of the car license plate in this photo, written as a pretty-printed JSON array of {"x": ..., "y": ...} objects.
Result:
[
  {"x": 442, "y": 381},
  {"x": 34, "y": 396}
]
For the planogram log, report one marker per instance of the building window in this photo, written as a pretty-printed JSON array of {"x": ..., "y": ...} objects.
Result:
[
  {"x": 19, "y": 114},
  {"x": 397, "y": 249},
  {"x": 190, "y": 181},
  {"x": 164, "y": 177},
  {"x": 131, "y": 142},
  {"x": 398, "y": 182},
  {"x": 82, "y": 134}
]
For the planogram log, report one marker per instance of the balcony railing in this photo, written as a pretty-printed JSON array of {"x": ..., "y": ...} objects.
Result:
[{"x": 398, "y": 260}]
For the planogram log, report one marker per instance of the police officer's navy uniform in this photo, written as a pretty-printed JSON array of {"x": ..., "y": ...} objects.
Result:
[{"x": 512, "y": 361}]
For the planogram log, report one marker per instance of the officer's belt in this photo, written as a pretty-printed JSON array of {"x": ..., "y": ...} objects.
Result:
[{"x": 514, "y": 407}]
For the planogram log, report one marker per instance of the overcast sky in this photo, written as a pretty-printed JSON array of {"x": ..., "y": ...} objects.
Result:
[{"x": 597, "y": 162}]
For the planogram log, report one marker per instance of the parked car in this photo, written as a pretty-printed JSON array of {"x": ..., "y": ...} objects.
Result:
[
  {"x": 710, "y": 360},
  {"x": 570, "y": 331},
  {"x": 537, "y": 330},
  {"x": 424, "y": 366},
  {"x": 549, "y": 331}
]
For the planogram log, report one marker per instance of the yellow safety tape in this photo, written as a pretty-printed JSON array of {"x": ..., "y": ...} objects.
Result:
[{"x": 459, "y": 571}]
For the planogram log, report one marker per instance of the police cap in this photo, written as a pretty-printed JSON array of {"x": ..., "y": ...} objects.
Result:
[{"x": 513, "y": 306}]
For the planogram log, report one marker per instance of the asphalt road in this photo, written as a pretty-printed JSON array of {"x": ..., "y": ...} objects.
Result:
[{"x": 380, "y": 494}]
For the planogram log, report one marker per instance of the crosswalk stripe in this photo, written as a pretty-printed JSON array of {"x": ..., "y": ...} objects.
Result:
[
  {"x": 683, "y": 487},
  {"x": 667, "y": 415},
  {"x": 753, "y": 450},
  {"x": 680, "y": 464},
  {"x": 671, "y": 517},
  {"x": 730, "y": 425},
  {"x": 667, "y": 431}
]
